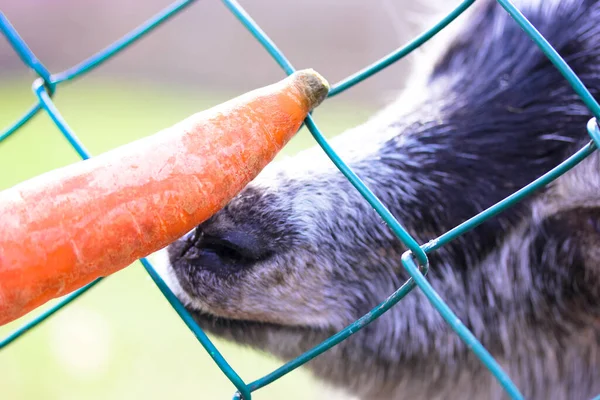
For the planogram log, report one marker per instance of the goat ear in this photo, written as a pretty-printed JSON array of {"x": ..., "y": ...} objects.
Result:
[
  {"x": 568, "y": 242},
  {"x": 590, "y": 236},
  {"x": 583, "y": 225},
  {"x": 565, "y": 266}
]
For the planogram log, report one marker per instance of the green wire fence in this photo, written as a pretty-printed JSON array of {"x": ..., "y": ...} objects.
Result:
[{"x": 415, "y": 260}]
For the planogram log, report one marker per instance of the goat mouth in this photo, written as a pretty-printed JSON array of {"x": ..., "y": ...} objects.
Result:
[
  {"x": 189, "y": 294},
  {"x": 215, "y": 298},
  {"x": 217, "y": 324},
  {"x": 260, "y": 335}
]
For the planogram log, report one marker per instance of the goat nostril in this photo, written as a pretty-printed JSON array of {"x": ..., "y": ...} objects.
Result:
[
  {"x": 189, "y": 243},
  {"x": 223, "y": 248},
  {"x": 230, "y": 246}
]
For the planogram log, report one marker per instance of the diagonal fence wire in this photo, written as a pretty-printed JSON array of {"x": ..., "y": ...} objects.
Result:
[{"x": 414, "y": 260}]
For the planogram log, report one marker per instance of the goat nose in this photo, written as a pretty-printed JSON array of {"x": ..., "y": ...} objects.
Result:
[{"x": 225, "y": 250}]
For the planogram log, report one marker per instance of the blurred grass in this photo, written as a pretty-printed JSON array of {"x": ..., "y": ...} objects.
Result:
[{"x": 122, "y": 340}]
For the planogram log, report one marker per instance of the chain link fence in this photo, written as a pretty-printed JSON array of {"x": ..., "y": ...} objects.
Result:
[{"x": 414, "y": 260}]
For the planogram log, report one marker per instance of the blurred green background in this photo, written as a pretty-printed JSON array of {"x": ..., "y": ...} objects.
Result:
[{"x": 121, "y": 340}]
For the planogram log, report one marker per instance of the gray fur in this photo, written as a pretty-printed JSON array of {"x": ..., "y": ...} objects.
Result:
[{"x": 299, "y": 254}]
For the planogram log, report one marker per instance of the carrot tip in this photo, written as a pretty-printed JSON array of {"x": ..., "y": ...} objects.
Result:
[{"x": 315, "y": 87}]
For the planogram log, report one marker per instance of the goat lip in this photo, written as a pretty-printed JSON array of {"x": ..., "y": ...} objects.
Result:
[{"x": 213, "y": 323}]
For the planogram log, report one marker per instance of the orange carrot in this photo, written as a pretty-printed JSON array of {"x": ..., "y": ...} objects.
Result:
[{"x": 68, "y": 227}]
